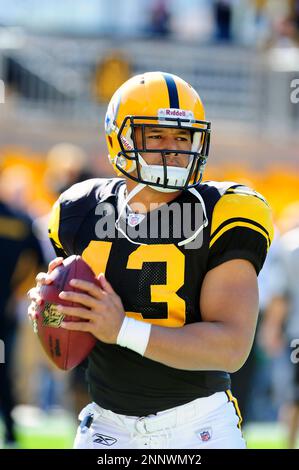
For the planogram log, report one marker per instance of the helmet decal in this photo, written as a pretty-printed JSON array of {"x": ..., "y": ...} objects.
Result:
[
  {"x": 172, "y": 91},
  {"x": 173, "y": 112},
  {"x": 111, "y": 115}
]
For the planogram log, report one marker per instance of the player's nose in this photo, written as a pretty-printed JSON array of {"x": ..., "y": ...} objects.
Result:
[
  {"x": 171, "y": 143},
  {"x": 171, "y": 147}
]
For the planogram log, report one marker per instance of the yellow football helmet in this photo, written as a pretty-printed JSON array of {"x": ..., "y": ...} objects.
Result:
[{"x": 156, "y": 99}]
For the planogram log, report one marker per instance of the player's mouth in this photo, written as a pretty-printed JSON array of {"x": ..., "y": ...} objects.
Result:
[{"x": 175, "y": 163}]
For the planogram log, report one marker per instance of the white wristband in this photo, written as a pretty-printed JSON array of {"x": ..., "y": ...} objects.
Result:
[{"x": 134, "y": 335}]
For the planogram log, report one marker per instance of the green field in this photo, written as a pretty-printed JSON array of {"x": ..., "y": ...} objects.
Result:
[{"x": 38, "y": 430}]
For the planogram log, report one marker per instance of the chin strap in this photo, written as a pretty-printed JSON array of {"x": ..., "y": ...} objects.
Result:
[
  {"x": 133, "y": 193},
  {"x": 139, "y": 188},
  {"x": 205, "y": 221}
]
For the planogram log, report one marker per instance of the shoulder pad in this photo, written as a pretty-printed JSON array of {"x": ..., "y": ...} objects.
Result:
[
  {"x": 244, "y": 207},
  {"x": 74, "y": 205}
]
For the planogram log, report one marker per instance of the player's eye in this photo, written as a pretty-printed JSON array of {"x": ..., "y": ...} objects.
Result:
[{"x": 154, "y": 136}]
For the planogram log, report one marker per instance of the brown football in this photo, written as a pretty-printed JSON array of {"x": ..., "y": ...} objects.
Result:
[{"x": 65, "y": 348}]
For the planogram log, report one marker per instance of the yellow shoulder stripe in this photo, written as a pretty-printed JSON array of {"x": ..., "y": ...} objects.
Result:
[
  {"x": 54, "y": 224},
  {"x": 247, "y": 191},
  {"x": 241, "y": 210}
]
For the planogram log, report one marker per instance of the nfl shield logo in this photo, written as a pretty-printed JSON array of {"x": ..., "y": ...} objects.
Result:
[
  {"x": 135, "y": 219},
  {"x": 205, "y": 434}
]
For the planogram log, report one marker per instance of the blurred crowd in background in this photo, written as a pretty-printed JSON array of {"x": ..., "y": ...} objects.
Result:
[
  {"x": 253, "y": 22},
  {"x": 60, "y": 64}
]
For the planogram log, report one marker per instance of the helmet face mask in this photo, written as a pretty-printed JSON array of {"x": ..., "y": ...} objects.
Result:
[
  {"x": 129, "y": 159},
  {"x": 129, "y": 150}
]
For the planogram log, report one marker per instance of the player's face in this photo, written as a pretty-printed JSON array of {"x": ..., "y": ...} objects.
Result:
[{"x": 163, "y": 138}]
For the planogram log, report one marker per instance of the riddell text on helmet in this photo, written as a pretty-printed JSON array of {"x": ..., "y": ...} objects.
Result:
[{"x": 173, "y": 112}]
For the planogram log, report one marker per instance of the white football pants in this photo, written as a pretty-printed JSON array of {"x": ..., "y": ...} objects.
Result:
[{"x": 206, "y": 423}]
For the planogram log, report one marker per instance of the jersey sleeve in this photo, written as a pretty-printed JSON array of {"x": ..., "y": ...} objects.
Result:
[
  {"x": 67, "y": 215},
  {"x": 72, "y": 208},
  {"x": 242, "y": 228},
  {"x": 54, "y": 229}
]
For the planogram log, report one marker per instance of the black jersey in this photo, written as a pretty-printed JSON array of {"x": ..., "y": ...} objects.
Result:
[{"x": 158, "y": 279}]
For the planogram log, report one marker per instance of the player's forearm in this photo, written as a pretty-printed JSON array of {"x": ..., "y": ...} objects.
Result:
[{"x": 199, "y": 346}]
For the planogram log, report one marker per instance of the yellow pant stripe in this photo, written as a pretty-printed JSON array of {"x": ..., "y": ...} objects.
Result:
[{"x": 236, "y": 406}]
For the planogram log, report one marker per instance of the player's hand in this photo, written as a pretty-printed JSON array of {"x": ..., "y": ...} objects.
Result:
[
  {"x": 101, "y": 309},
  {"x": 41, "y": 279}
]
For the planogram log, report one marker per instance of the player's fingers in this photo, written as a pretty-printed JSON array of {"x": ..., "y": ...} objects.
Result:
[
  {"x": 76, "y": 312},
  {"x": 34, "y": 294},
  {"x": 106, "y": 286},
  {"x": 108, "y": 289},
  {"x": 76, "y": 325},
  {"x": 40, "y": 277},
  {"x": 54, "y": 263},
  {"x": 78, "y": 297},
  {"x": 32, "y": 313},
  {"x": 91, "y": 288},
  {"x": 43, "y": 278}
]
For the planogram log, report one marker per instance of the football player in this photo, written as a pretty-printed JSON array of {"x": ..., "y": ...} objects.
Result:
[
  {"x": 177, "y": 259},
  {"x": 21, "y": 257}
]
